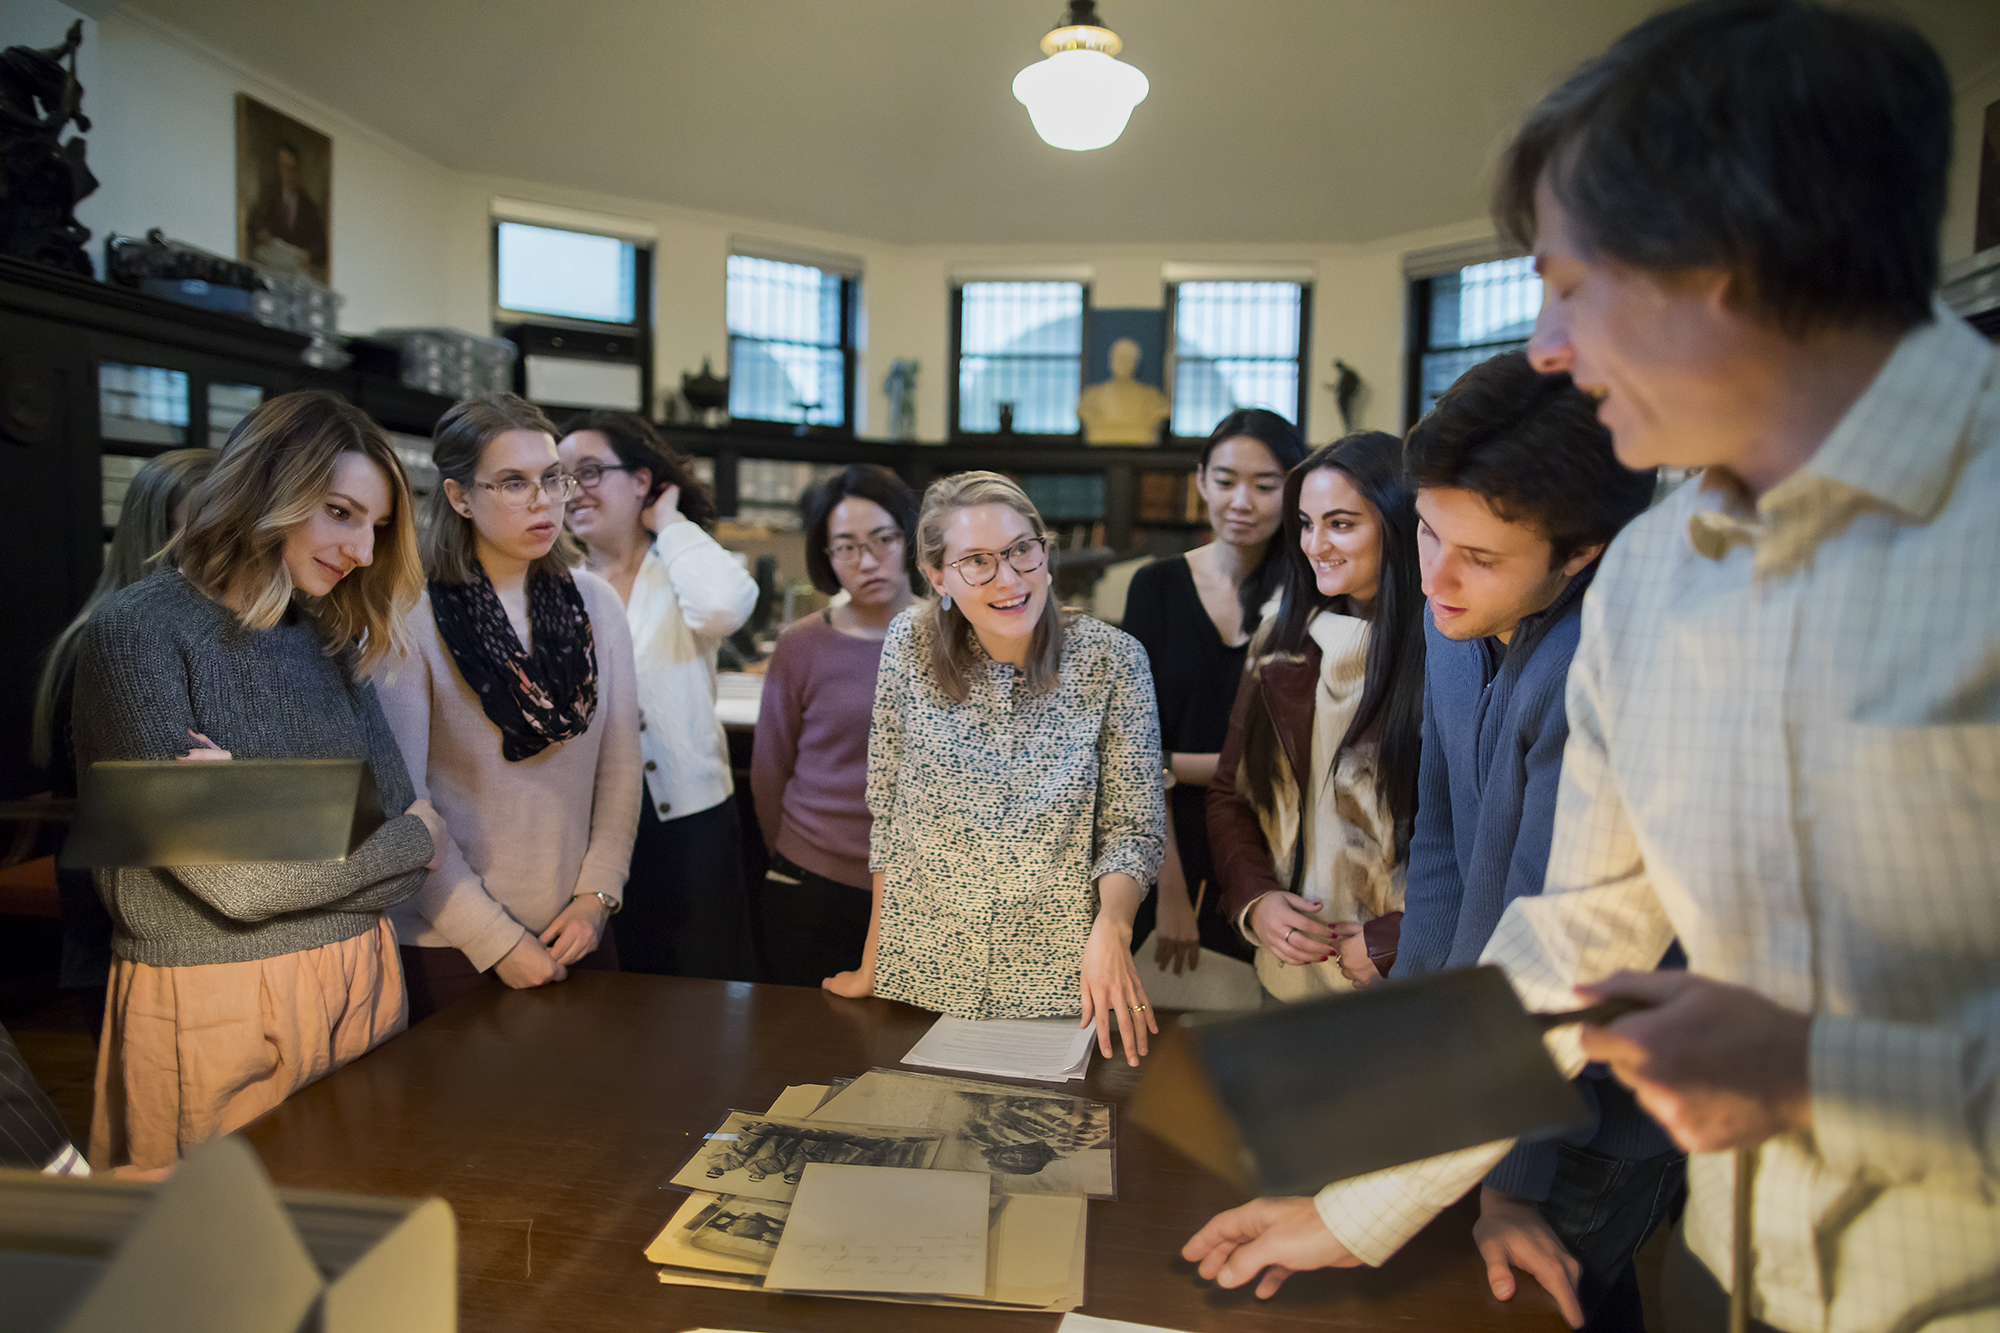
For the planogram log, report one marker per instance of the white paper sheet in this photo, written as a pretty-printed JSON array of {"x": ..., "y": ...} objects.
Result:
[
  {"x": 1052, "y": 1050},
  {"x": 1083, "y": 1323},
  {"x": 888, "y": 1229}
]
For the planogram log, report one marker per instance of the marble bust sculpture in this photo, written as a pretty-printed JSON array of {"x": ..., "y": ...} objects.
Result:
[{"x": 1122, "y": 410}]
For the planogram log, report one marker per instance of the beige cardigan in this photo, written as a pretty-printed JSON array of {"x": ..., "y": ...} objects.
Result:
[{"x": 524, "y": 837}]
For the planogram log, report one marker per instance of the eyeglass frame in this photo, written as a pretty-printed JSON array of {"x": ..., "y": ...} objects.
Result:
[
  {"x": 600, "y": 469},
  {"x": 895, "y": 542},
  {"x": 545, "y": 484},
  {"x": 1040, "y": 543}
]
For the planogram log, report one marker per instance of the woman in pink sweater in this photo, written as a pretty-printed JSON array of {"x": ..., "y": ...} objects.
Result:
[
  {"x": 517, "y": 712},
  {"x": 809, "y": 772}
]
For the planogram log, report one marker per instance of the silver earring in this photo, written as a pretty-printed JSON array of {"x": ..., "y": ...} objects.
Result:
[{"x": 947, "y": 601}]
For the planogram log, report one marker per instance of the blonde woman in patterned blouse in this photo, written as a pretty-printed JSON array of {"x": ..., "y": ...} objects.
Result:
[{"x": 1014, "y": 781}]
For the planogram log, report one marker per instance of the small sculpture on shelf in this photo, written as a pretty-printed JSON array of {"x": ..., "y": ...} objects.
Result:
[
  {"x": 42, "y": 177},
  {"x": 1006, "y": 418},
  {"x": 901, "y": 389},
  {"x": 707, "y": 393},
  {"x": 1346, "y": 390}
]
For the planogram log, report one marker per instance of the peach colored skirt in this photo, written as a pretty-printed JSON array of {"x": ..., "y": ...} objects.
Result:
[{"x": 191, "y": 1053}]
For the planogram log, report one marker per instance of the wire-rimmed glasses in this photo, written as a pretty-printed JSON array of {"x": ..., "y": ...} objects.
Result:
[
  {"x": 519, "y": 492},
  {"x": 885, "y": 544},
  {"x": 982, "y": 567}
]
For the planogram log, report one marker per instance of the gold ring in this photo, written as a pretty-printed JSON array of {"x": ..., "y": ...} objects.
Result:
[{"x": 1138, "y": 1008}]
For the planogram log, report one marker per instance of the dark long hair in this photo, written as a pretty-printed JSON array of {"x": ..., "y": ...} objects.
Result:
[
  {"x": 1392, "y": 693},
  {"x": 639, "y": 444},
  {"x": 1282, "y": 438}
]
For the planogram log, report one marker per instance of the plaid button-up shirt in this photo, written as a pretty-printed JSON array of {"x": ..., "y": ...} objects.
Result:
[{"x": 1785, "y": 749}]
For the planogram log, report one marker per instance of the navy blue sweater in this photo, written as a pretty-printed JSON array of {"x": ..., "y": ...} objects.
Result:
[{"x": 1494, "y": 729}]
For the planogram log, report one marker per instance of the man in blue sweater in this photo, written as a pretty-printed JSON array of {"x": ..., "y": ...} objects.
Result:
[{"x": 1518, "y": 493}]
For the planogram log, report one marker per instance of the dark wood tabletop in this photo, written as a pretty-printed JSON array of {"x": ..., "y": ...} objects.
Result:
[{"x": 549, "y": 1118}]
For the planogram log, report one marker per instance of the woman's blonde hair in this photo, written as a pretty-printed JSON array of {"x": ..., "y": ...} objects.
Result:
[
  {"x": 145, "y": 526},
  {"x": 951, "y": 645},
  {"x": 457, "y": 445},
  {"x": 274, "y": 474}
]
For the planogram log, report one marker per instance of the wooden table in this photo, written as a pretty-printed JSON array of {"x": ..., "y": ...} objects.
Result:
[{"x": 548, "y": 1119}]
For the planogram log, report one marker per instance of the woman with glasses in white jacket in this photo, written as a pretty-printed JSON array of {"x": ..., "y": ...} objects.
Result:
[{"x": 643, "y": 516}]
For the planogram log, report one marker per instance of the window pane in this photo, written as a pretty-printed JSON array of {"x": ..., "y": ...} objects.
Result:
[
  {"x": 1483, "y": 304},
  {"x": 1236, "y": 344},
  {"x": 783, "y": 302},
  {"x": 227, "y": 405},
  {"x": 1207, "y": 391},
  {"x": 142, "y": 404},
  {"x": 1020, "y": 343},
  {"x": 1237, "y": 319},
  {"x": 787, "y": 346},
  {"x": 1442, "y": 369},
  {"x": 567, "y": 273}
]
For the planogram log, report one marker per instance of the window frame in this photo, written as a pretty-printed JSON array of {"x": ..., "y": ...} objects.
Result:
[
  {"x": 1303, "y": 359},
  {"x": 642, "y": 286},
  {"x": 956, "y": 353},
  {"x": 850, "y": 306},
  {"x": 1418, "y": 344}
]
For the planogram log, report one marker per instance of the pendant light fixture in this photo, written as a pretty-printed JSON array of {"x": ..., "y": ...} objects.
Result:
[{"x": 1082, "y": 95}]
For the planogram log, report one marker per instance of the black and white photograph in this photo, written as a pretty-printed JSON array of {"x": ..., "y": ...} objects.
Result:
[
  {"x": 764, "y": 1156},
  {"x": 1031, "y": 1142},
  {"x": 743, "y": 1227}
]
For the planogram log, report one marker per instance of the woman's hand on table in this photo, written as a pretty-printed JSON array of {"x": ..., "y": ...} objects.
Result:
[
  {"x": 1111, "y": 989},
  {"x": 204, "y": 750},
  {"x": 1274, "y": 1237},
  {"x": 1285, "y": 925},
  {"x": 1351, "y": 948},
  {"x": 528, "y": 965},
  {"x": 577, "y": 929},
  {"x": 856, "y": 985},
  {"x": 1511, "y": 1234}
]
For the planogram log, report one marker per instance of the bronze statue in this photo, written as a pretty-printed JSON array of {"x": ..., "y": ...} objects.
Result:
[
  {"x": 41, "y": 177},
  {"x": 1344, "y": 391}
]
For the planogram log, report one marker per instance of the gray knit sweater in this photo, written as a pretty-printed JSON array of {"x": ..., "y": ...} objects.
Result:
[{"x": 160, "y": 659}]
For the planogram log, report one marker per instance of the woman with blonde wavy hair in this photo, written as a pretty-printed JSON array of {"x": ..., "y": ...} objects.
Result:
[
  {"x": 1014, "y": 783},
  {"x": 235, "y": 985}
]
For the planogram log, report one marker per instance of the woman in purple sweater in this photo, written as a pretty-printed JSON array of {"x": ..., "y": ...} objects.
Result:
[{"x": 809, "y": 772}]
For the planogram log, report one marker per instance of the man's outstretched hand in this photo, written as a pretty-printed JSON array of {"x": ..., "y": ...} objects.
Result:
[{"x": 1275, "y": 1237}]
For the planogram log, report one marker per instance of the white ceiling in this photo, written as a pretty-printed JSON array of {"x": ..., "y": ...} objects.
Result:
[{"x": 1269, "y": 120}]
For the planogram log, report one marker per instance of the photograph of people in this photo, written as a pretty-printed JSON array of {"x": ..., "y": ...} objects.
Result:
[
  {"x": 518, "y": 718},
  {"x": 1014, "y": 780}
]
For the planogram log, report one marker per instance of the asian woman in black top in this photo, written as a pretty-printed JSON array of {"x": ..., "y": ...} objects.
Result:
[{"x": 1195, "y": 615}]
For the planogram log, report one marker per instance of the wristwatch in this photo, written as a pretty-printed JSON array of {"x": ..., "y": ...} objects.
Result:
[{"x": 611, "y": 904}]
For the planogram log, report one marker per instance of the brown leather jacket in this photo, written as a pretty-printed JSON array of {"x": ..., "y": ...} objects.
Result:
[{"x": 1243, "y": 860}]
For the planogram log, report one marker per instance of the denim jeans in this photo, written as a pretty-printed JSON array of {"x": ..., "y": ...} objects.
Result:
[{"x": 1603, "y": 1209}]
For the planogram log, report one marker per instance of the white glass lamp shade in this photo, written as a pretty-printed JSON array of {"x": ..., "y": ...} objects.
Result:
[{"x": 1079, "y": 99}]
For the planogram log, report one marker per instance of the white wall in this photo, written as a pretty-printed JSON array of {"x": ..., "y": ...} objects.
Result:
[{"x": 412, "y": 238}]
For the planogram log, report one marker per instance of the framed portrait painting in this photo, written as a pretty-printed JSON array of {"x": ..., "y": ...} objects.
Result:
[{"x": 284, "y": 192}]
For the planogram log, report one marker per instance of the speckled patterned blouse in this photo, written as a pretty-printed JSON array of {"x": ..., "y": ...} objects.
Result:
[{"x": 994, "y": 818}]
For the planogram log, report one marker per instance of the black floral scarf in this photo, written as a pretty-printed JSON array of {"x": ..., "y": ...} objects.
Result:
[{"x": 536, "y": 698}]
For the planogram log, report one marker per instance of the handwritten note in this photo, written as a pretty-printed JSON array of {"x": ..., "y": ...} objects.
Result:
[{"x": 884, "y": 1229}]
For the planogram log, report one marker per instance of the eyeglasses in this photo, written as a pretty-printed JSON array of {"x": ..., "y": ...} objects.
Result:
[
  {"x": 1026, "y": 556},
  {"x": 883, "y": 544},
  {"x": 590, "y": 474},
  {"x": 519, "y": 492}
]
